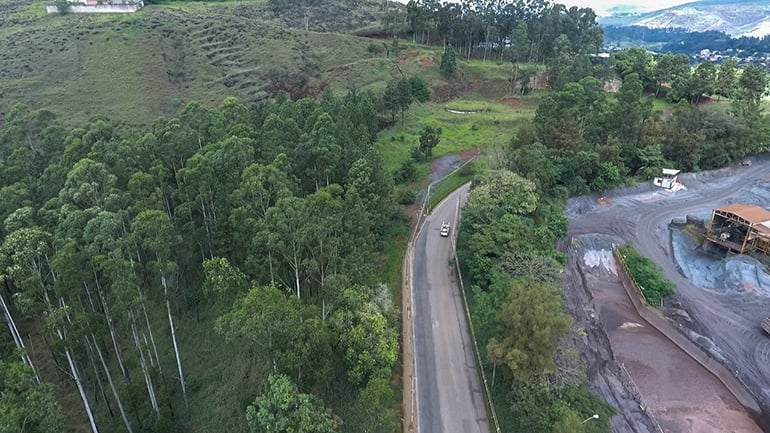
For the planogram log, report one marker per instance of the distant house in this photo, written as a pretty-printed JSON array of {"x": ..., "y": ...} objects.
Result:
[{"x": 99, "y": 6}]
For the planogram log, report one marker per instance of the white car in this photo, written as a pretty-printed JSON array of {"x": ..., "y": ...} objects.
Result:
[{"x": 445, "y": 229}]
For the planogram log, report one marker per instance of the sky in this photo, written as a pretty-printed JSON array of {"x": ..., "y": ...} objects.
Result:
[{"x": 602, "y": 6}]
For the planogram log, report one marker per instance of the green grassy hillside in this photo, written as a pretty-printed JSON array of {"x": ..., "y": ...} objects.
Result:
[{"x": 134, "y": 68}]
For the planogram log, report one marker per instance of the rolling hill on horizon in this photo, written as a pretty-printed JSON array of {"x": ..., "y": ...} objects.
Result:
[{"x": 734, "y": 17}]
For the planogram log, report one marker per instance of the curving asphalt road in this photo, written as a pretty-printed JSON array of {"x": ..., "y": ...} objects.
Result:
[
  {"x": 449, "y": 395},
  {"x": 732, "y": 322}
]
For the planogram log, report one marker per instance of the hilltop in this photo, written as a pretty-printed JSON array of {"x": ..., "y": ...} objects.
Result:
[{"x": 734, "y": 17}]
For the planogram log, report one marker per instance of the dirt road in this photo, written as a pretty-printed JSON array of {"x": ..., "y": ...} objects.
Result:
[
  {"x": 449, "y": 396},
  {"x": 682, "y": 396}
]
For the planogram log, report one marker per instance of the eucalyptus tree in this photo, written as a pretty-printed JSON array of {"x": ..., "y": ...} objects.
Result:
[
  {"x": 262, "y": 186},
  {"x": 317, "y": 155},
  {"x": 156, "y": 235},
  {"x": 277, "y": 135},
  {"x": 89, "y": 184},
  {"x": 703, "y": 81},
  {"x": 752, "y": 84},
  {"x": 324, "y": 235},
  {"x": 285, "y": 223},
  {"x": 26, "y": 261},
  {"x": 635, "y": 60},
  {"x": 632, "y": 110},
  {"x": 269, "y": 319},
  {"x": 670, "y": 68},
  {"x": 204, "y": 186},
  {"x": 26, "y": 404}
]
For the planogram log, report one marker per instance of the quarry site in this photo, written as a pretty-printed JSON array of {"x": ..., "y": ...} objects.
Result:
[{"x": 699, "y": 363}]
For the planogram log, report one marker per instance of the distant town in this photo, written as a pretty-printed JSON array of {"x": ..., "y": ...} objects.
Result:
[{"x": 713, "y": 46}]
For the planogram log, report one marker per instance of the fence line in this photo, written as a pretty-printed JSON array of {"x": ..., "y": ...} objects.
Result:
[
  {"x": 482, "y": 375},
  {"x": 409, "y": 424}
]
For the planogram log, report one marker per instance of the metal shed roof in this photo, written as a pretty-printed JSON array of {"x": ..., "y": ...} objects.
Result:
[{"x": 751, "y": 213}]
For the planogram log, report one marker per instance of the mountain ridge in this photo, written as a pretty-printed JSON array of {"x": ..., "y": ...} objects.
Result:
[{"x": 734, "y": 17}]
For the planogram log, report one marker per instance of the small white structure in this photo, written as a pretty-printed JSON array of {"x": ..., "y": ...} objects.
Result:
[
  {"x": 667, "y": 179},
  {"x": 98, "y": 6}
]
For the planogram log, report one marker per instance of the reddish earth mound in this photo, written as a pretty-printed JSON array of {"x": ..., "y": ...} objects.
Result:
[
  {"x": 426, "y": 62},
  {"x": 514, "y": 102}
]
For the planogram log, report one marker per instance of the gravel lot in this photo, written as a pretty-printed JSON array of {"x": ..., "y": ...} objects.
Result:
[{"x": 719, "y": 305}]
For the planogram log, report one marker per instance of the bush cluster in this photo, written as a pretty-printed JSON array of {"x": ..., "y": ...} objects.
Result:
[{"x": 647, "y": 275}]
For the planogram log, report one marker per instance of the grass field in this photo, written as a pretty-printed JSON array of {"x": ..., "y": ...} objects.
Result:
[{"x": 484, "y": 124}]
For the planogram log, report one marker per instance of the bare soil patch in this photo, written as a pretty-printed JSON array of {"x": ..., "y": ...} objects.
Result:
[
  {"x": 719, "y": 304},
  {"x": 514, "y": 102}
]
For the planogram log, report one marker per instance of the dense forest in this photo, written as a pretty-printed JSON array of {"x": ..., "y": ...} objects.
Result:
[
  {"x": 262, "y": 224},
  {"x": 226, "y": 264},
  {"x": 523, "y": 31}
]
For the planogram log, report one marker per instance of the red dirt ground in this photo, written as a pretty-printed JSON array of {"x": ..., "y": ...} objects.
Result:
[{"x": 514, "y": 102}]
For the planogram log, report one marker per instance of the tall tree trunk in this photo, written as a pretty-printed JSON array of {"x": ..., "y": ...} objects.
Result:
[
  {"x": 112, "y": 386},
  {"x": 92, "y": 361},
  {"x": 152, "y": 338},
  {"x": 79, "y": 383},
  {"x": 143, "y": 363},
  {"x": 270, "y": 265},
  {"x": 173, "y": 338},
  {"x": 71, "y": 360},
  {"x": 111, "y": 327},
  {"x": 17, "y": 337}
]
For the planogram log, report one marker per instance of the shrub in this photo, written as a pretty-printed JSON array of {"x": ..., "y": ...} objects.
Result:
[
  {"x": 407, "y": 196},
  {"x": 419, "y": 89},
  {"x": 647, "y": 275},
  {"x": 63, "y": 6},
  {"x": 375, "y": 48},
  {"x": 406, "y": 173}
]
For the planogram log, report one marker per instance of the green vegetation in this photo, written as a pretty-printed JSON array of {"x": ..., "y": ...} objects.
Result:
[
  {"x": 190, "y": 244},
  {"x": 647, "y": 276},
  {"x": 506, "y": 246},
  {"x": 445, "y": 186},
  {"x": 448, "y": 65},
  {"x": 228, "y": 254},
  {"x": 486, "y": 129},
  {"x": 698, "y": 234}
]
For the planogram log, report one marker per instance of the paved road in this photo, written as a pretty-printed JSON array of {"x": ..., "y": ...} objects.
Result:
[
  {"x": 449, "y": 396},
  {"x": 731, "y": 321}
]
